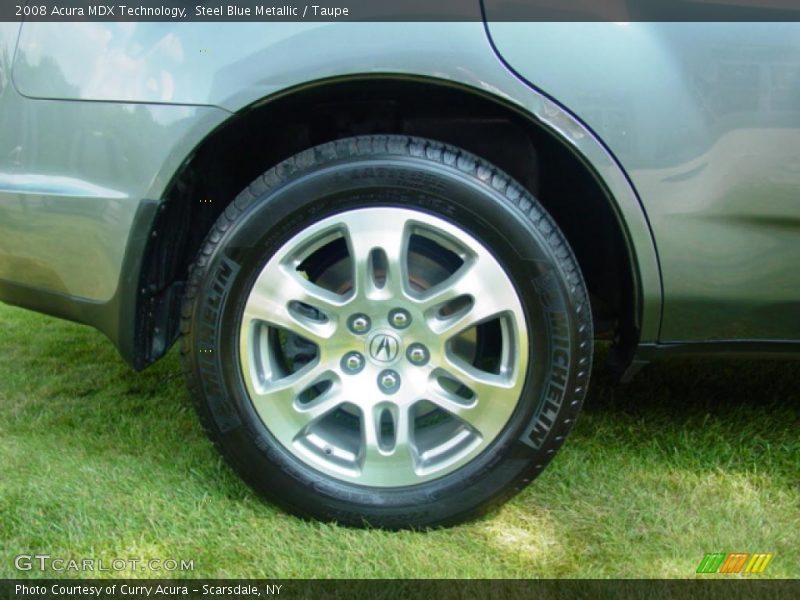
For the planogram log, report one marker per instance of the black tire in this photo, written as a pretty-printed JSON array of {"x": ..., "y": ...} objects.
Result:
[{"x": 432, "y": 178}]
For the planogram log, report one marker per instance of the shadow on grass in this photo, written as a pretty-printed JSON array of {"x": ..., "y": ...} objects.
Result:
[
  {"x": 73, "y": 382},
  {"x": 95, "y": 455},
  {"x": 698, "y": 384}
]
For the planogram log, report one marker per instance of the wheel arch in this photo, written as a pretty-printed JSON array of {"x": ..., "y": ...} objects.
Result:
[{"x": 532, "y": 138}]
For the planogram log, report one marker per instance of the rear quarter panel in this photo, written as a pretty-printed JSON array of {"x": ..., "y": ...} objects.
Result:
[
  {"x": 705, "y": 119},
  {"x": 193, "y": 72}
]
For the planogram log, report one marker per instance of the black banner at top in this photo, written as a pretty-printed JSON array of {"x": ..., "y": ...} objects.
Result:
[{"x": 399, "y": 10}]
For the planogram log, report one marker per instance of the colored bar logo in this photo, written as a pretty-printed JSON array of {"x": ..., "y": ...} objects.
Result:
[{"x": 735, "y": 562}]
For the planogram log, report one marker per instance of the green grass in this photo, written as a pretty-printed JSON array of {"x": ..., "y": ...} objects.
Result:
[{"x": 98, "y": 461}]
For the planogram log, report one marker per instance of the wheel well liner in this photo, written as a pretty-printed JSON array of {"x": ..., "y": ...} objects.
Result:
[{"x": 271, "y": 130}]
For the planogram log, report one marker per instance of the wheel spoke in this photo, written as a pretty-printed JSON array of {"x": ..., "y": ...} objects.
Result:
[
  {"x": 278, "y": 301},
  {"x": 487, "y": 410},
  {"x": 280, "y": 397},
  {"x": 285, "y": 389},
  {"x": 485, "y": 295},
  {"x": 368, "y": 240},
  {"x": 483, "y": 308},
  {"x": 471, "y": 413},
  {"x": 396, "y": 458},
  {"x": 484, "y": 385},
  {"x": 317, "y": 409}
]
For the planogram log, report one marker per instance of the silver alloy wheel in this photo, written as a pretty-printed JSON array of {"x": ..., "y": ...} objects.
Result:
[{"x": 377, "y": 371}]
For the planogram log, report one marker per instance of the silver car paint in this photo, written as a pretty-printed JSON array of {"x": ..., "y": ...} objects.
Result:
[
  {"x": 72, "y": 175},
  {"x": 204, "y": 68},
  {"x": 148, "y": 69},
  {"x": 705, "y": 119}
]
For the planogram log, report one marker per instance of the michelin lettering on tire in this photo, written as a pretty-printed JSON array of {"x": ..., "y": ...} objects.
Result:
[{"x": 213, "y": 299}]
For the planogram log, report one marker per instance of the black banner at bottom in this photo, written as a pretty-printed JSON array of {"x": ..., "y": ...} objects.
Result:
[{"x": 376, "y": 589}]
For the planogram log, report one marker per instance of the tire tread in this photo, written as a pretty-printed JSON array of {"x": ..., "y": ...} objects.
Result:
[{"x": 448, "y": 156}]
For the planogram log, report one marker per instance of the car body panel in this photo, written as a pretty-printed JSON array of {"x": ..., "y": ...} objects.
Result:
[
  {"x": 72, "y": 183},
  {"x": 210, "y": 76},
  {"x": 705, "y": 119},
  {"x": 73, "y": 176},
  {"x": 698, "y": 128}
]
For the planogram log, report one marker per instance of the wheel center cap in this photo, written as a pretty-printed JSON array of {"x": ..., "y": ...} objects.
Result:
[{"x": 383, "y": 347}]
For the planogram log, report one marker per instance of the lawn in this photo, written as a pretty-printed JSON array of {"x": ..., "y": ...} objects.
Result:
[{"x": 99, "y": 461}]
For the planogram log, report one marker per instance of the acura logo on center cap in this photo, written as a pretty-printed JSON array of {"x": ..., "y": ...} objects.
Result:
[{"x": 384, "y": 347}]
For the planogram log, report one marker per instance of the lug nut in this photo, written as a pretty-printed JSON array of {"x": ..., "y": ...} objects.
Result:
[
  {"x": 399, "y": 318},
  {"x": 389, "y": 381},
  {"x": 359, "y": 323},
  {"x": 352, "y": 363},
  {"x": 418, "y": 354}
]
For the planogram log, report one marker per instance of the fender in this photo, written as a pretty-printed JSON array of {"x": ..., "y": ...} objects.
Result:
[{"x": 193, "y": 65}]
